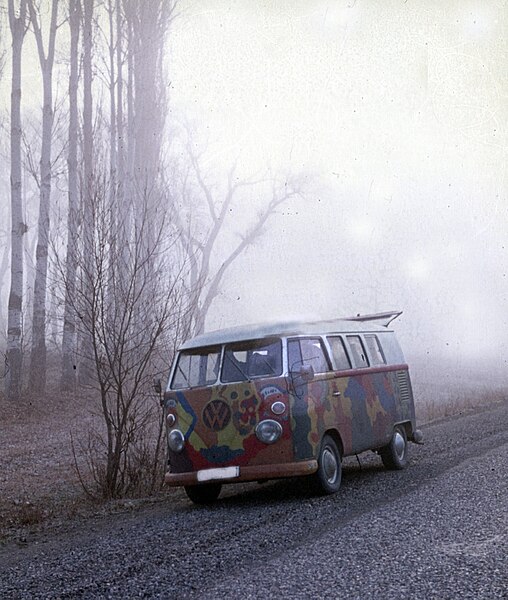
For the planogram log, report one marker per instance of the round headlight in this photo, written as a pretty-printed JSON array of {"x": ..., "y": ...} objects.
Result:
[
  {"x": 176, "y": 440},
  {"x": 268, "y": 431}
]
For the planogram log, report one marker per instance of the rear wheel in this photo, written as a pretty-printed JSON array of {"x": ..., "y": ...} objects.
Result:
[
  {"x": 395, "y": 454},
  {"x": 203, "y": 494},
  {"x": 329, "y": 474}
]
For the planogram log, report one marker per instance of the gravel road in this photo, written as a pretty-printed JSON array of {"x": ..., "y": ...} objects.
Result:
[{"x": 438, "y": 529}]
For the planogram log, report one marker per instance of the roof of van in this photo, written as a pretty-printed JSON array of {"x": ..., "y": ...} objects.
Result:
[{"x": 376, "y": 322}]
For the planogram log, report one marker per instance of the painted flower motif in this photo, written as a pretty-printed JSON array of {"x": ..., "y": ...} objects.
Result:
[{"x": 245, "y": 418}]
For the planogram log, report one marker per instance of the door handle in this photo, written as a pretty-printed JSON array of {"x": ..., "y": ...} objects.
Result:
[{"x": 336, "y": 394}]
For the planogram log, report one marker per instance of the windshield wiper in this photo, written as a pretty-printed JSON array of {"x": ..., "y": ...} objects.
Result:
[
  {"x": 237, "y": 366},
  {"x": 184, "y": 375}
]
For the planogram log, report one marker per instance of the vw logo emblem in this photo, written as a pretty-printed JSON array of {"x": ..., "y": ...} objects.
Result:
[{"x": 216, "y": 415}]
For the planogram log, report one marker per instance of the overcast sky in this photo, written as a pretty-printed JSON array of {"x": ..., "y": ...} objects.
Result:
[{"x": 401, "y": 109}]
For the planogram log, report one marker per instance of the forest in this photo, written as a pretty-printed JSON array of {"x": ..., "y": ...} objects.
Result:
[{"x": 118, "y": 265}]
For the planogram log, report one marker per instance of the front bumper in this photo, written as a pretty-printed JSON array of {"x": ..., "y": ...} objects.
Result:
[{"x": 248, "y": 473}]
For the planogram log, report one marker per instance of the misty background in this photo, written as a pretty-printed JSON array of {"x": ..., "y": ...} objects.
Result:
[{"x": 393, "y": 116}]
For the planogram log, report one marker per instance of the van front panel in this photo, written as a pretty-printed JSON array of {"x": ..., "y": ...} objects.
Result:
[{"x": 219, "y": 422}]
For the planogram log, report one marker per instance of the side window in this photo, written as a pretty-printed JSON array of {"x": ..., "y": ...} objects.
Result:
[
  {"x": 375, "y": 351},
  {"x": 358, "y": 351},
  {"x": 308, "y": 351},
  {"x": 339, "y": 353},
  {"x": 294, "y": 355}
]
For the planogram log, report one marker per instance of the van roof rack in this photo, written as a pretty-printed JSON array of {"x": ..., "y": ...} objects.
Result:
[{"x": 382, "y": 318}]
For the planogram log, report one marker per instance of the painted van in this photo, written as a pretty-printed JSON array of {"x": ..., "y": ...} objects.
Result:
[{"x": 284, "y": 400}]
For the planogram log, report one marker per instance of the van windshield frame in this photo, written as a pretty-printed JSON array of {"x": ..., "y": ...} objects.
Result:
[
  {"x": 252, "y": 359},
  {"x": 197, "y": 367}
]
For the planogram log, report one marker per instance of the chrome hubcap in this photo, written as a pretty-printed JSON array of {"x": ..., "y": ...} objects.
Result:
[
  {"x": 399, "y": 444},
  {"x": 330, "y": 465}
]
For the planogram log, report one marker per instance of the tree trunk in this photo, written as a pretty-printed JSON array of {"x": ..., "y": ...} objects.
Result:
[
  {"x": 86, "y": 349},
  {"x": 38, "y": 356},
  {"x": 112, "y": 130},
  {"x": 68, "y": 378},
  {"x": 18, "y": 227},
  {"x": 119, "y": 107}
]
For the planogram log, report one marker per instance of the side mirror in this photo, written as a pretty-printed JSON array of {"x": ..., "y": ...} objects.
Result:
[{"x": 157, "y": 386}]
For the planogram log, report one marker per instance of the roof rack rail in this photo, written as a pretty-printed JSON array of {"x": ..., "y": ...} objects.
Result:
[{"x": 383, "y": 318}]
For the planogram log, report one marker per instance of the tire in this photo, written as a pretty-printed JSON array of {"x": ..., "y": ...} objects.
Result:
[
  {"x": 203, "y": 494},
  {"x": 329, "y": 474},
  {"x": 395, "y": 454}
]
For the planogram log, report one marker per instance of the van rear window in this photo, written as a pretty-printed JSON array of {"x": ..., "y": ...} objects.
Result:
[{"x": 375, "y": 351}]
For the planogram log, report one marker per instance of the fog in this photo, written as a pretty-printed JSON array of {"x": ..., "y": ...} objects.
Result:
[{"x": 395, "y": 115}]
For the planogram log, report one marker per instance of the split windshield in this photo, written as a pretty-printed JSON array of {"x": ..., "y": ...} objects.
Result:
[
  {"x": 196, "y": 368},
  {"x": 242, "y": 361}
]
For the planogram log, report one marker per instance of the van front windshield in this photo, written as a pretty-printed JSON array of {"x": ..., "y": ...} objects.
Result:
[
  {"x": 196, "y": 367},
  {"x": 255, "y": 358}
]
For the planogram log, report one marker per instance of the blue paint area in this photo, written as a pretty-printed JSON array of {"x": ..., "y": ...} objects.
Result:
[
  {"x": 302, "y": 426},
  {"x": 355, "y": 390},
  {"x": 386, "y": 398},
  {"x": 220, "y": 454},
  {"x": 360, "y": 422},
  {"x": 188, "y": 409}
]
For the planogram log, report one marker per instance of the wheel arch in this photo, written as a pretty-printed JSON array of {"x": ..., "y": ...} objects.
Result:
[
  {"x": 407, "y": 426},
  {"x": 335, "y": 435}
]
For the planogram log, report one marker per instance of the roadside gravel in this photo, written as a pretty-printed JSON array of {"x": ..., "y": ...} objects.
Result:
[{"x": 435, "y": 530}]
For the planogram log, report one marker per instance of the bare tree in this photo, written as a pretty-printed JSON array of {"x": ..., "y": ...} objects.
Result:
[
  {"x": 88, "y": 147},
  {"x": 149, "y": 23},
  {"x": 202, "y": 213},
  {"x": 46, "y": 59},
  {"x": 69, "y": 329},
  {"x": 18, "y": 227},
  {"x": 127, "y": 303}
]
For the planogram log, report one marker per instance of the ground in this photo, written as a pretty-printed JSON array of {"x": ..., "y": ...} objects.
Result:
[
  {"x": 38, "y": 475},
  {"x": 437, "y": 529}
]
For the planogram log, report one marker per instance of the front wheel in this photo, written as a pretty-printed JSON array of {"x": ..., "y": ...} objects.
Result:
[
  {"x": 395, "y": 454},
  {"x": 203, "y": 494},
  {"x": 329, "y": 474}
]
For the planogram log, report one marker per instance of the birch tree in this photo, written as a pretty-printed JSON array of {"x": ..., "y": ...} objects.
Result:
[
  {"x": 88, "y": 157},
  {"x": 69, "y": 327},
  {"x": 46, "y": 60},
  {"x": 17, "y": 24}
]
